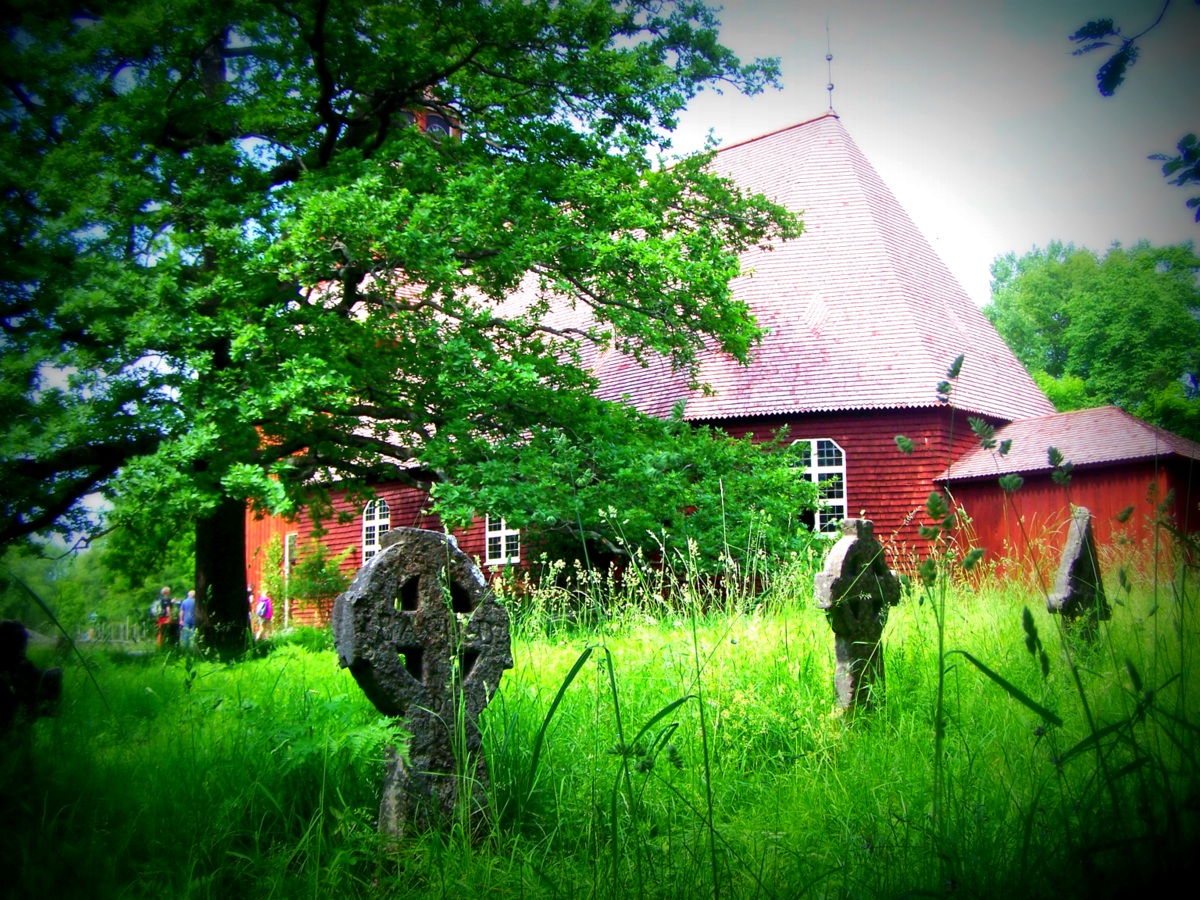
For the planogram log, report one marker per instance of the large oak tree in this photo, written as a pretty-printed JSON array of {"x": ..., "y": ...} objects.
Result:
[{"x": 253, "y": 246}]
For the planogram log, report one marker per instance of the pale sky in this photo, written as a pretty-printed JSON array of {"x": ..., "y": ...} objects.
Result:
[{"x": 989, "y": 132}]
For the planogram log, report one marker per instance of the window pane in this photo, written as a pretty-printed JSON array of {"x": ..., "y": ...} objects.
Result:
[
  {"x": 830, "y": 486},
  {"x": 828, "y": 454}
]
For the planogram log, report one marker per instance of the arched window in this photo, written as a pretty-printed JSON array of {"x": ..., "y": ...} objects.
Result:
[
  {"x": 377, "y": 519},
  {"x": 825, "y": 466},
  {"x": 503, "y": 543}
]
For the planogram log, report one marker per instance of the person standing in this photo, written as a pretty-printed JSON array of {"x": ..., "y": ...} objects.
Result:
[
  {"x": 163, "y": 611},
  {"x": 187, "y": 621},
  {"x": 264, "y": 610}
]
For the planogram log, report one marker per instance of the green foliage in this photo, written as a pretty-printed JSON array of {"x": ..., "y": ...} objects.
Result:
[
  {"x": 316, "y": 574},
  {"x": 33, "y": 570},
  {"x": 974, "y": 555},
  {"x": 234, "y": 268},
  {"x": 202, "y": 777},
  {"x": 1123, "y": 328},
  {"x": 1183, "y": 168},
  {"x": 1061, "y": 467},
  {"x": 1009, "y": 688},
  {"x": 628, "y": 482},
  {"x": 161, "y": 549},
  {"x": 1067, "y": 393},
  {"x": 1011, "y": 483},
  {"x": 985, "y": 431},
  {"x": 90, "y": 586},
  {"x": 273, "y": 768},
  {"x": 314, "y": 640}
]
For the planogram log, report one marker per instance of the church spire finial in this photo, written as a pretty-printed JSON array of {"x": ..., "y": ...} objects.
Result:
[{"x": 828, "y": 64}]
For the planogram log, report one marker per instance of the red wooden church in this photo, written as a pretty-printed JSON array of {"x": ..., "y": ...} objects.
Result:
[{"x": 864, "y": 320}]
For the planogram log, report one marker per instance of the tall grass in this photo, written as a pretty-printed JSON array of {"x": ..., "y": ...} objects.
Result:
[
  {"x": 200, "y": 780},
  {"x": 660, "y": 736}
]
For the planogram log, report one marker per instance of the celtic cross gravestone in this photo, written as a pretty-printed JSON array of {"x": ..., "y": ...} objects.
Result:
[
  {"x": 856, "y": 589},
  {"x": 425, "y": 638}
]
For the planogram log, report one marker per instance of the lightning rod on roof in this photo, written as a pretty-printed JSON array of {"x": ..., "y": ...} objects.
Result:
[{"x": 828, "y": 64}]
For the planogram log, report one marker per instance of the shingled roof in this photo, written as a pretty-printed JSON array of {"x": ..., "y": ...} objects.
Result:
[
  {"x": 1085, "y": 437},
  {"x": 861, "y": 312}
]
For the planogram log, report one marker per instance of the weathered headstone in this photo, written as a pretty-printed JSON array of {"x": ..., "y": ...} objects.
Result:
[
  {"x": 856, "y": 589},
  {"x": 24, "y": 688},
  {"x": 1079, "y": 590},
  {"x": 425, "y": 638}
]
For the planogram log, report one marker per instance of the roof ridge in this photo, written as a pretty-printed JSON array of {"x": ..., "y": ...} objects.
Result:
[
  {"x": 884, "y": 225},
  {"x": 828, "y": 114}
]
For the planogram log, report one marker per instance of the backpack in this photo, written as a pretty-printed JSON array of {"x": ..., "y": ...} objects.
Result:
[
  {"x": 262, "y": 609},
  {"x": 156, "y": 609}
]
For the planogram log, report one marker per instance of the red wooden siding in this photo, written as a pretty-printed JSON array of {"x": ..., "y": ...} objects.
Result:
[
  {"x": 1036, "y": 516},
  {"x": 882, "y": 484},
  {"x": 260, "y": 529},
  {"x": 407, "y": 508}
]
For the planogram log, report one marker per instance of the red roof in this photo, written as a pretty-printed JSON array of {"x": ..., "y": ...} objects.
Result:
[
  {"x": 861, "y": 312},
  {"x": 1085, "y": 437}
]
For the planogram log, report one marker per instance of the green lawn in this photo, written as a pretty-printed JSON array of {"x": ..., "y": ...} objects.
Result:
[{"x": 261, "y": 778}]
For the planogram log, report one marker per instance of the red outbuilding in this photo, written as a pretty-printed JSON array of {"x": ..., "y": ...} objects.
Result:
[{"x": 1129, "y": 474}]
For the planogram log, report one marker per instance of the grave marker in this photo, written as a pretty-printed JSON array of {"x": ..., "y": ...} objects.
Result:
[
  {"x": 425, "y": 638},
  {"x": 856, "y": 589},
  {"x": 26, "y": 692},
  {"x": 1078, "y": 589}
]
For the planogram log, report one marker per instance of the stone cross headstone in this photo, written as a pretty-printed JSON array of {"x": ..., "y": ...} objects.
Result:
[
  {"x": 425, "y": 638},
  {"x": 25, "y": 690},
  {"x": 1079, "y": 590},
  {"x": 856, "y": 589}
]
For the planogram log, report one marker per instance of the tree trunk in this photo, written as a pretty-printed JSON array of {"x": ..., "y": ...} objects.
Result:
[{"x": 221, "y": 579}]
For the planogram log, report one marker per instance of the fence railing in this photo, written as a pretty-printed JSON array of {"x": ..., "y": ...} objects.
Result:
[{"x": 127, "y": 632}]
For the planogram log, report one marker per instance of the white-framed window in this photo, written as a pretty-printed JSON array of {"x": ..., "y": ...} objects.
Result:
[
  {"x": 291, "y": 545},
  {"x": 503, "y": 543},
  {"x": 377, "y": 519},
  {"x": 824, "y": 464}
]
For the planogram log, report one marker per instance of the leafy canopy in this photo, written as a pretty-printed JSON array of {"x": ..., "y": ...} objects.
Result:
[
  {"x": 1122, "y": 328},
  {"x": 249, "y": 248},
  {"x": 625, "y": 482}
]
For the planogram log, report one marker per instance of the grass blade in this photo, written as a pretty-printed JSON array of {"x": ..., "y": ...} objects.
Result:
[
  {"x": 1011, "y": 689},
  {"x": 661, "y": 714},
  {"x": 1092, "y": 740},
  {"x": 562, "y": 690}
]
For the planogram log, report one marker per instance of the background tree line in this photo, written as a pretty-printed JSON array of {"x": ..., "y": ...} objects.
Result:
[{"x": 1122, "y": 327}]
